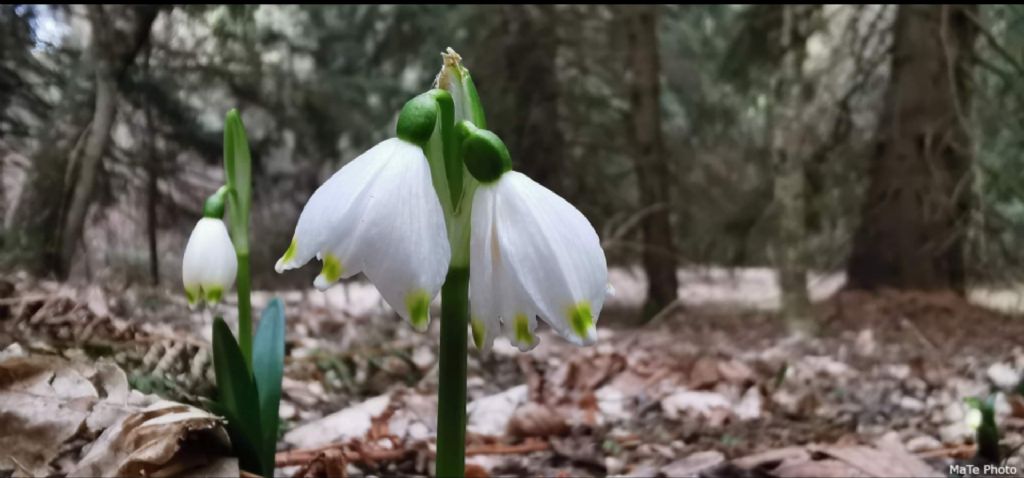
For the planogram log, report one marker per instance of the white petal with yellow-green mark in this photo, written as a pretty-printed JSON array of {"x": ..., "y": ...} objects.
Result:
[
  {"x": 209, "y": 264},
  {"x": 533, "y": 254},
  {"x": 378, "y": 215}
]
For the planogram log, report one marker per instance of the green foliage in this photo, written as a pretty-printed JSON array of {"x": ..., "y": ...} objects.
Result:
[
  {"x": 238, "y": 399},
  {"x": 987, "y": 432},
  {"x": 249, "y": 397},
  {"x": 268, "y": 369},
  {"x": 238, "y": 172}
]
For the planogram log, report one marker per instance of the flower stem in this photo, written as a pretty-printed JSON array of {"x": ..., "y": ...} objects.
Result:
[
  {"x": 451, "y": 395},
  {"x": 244, "y": 308}
]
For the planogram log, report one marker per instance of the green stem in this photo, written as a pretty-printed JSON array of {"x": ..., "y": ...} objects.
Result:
[
  {"x": 244, "y": 308},
  {"x": 451, "y": 395}
]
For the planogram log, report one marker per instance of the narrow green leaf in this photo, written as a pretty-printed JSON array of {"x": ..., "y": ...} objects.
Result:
[
  {"x": 238, "y": 168},
  {"x": 268, "y": 367},
  {"x": 238, "y": 399}
]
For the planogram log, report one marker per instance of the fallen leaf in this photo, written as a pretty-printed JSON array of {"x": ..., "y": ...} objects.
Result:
[
  {"x": 50, "y": 405},
  {"x": 352, "y": 422},
  {"x": 490, "y": 415},
  {"x": 164, "y": 438},
  {"x": 689, "y": 402},
  {"x": 694, "y": 464},
  {"x": 704, "y": 373},
  {"x": 537, "y": 420}
]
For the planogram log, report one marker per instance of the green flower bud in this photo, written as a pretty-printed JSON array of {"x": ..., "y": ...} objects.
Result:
[
  {"x": 417, "y": 119},
  {"x": 214, "y": 205},
  {"x": 484, "y": 153}
]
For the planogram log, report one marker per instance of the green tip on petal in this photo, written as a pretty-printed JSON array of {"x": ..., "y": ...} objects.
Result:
[
  {"x": 522, "y": 329},
  {"x": 418, "y": 303},
  {"x": 289, "y": 254},
  {"x": 479, "y": 332},
  {"x": 192, "y": 294},
  {"x": 213, "y": 294},
  {"x": 581, "y": 319},
  {"x": 332, "y": 269}
]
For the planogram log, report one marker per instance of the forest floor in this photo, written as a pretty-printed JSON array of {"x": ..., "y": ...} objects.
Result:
[{"x": 714, "y": 386}]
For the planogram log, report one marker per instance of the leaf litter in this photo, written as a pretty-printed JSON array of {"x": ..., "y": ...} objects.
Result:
[{"x": 704, "y": 391}]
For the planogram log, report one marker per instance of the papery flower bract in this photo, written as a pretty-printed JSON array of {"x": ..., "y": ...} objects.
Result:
[
  {"x": 378, "y": 215},
  {"x": 532, "y": 254},
  {"x": 209, "y": 264}
]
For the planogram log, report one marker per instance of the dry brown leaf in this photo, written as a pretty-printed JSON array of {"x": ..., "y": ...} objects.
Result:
[
  {"x": 837, "y": 461},
  {"x": 51, "y": 406},
  {"x": 537, "y": 420},
  {"x": 875, "y": 462},
  {"x": 44, "y": 399},
  {"x": 1016, "y": 405},
  {"x": 734, "y": 371},
  {"x": 704, "y": 373},
  {"x": 827, "y": 468},
  {"x": 166, "y": 438},
  {"x": 694, "y": 464}
]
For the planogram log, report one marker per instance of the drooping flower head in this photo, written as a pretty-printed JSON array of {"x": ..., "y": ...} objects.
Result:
[
  {"x": 378, "y": 215},
  {"x": 209, "y": 264},
  {"x": 532, "y": 254}
]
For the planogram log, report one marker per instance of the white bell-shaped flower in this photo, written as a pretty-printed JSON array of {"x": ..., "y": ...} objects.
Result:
[
  {"x": 532, "y": 254},
  {"x": 209, "y": 264},
  {"x": 378, "y": 215}
]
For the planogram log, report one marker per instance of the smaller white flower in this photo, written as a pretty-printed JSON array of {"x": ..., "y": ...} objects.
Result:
[
  {"x": 532, "y": 254},
  {"x": 209, "y": 264}
]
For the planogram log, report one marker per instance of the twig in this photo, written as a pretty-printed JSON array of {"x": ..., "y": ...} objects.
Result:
[{"x": 499, "y": 449}]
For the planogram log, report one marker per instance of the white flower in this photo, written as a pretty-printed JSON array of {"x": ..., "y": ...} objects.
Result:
[
  {"x": 378, "y": 215},
  {"x": 209, "y": 264},
  {"x": 532, "y": 254}
]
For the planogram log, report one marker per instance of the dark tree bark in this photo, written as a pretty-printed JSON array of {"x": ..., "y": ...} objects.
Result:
[
  {"x": 790, "y": 151},
  {"x": 152, "y": 174},
  {"x": 119, "y": 34},
  {"x": 530, "y": 48},
  {"x": 651, "y": 162},
  {"x": 913, "y": 221}
]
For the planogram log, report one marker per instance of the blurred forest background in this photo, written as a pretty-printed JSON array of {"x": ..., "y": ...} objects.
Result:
[
  {"x": 765, "y": 155},
  {"x": 881, "y": 140}
]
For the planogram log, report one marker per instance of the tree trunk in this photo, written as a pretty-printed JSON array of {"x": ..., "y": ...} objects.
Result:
[
  {"x": 112, "y": 57},
  {"x": 651, "y": 162},
  {"x": 913, "y": 221},
  {"x": 788, "y": 149},
  {"x": 152, "y": 174},
  {"x": 530, "y": 48}
]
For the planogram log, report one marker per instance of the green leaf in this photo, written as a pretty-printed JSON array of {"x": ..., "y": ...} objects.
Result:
[
  {"x": 237, "y": 397},
  {"x": 238, "y": 169},
  {"x": 268, "y": 367}
]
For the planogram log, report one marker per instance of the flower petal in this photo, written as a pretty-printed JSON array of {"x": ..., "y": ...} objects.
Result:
[
  {"x": 484, "y": 263},
  {"x": 396, "y": 235},
  {"x": 553, "y": 253},
  {"x": 328, "y": 215}
]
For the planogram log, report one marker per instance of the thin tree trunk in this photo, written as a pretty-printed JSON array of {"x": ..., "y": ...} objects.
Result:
[
  {"x": 651, "y": 162},
  {"x": 790, "y": 185},
  {"x": 913, "y": 222},
  {"x": 112, "y": 59},
  {"x": 531, "y": 49},
  {"x": 152, "y": 192}
]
